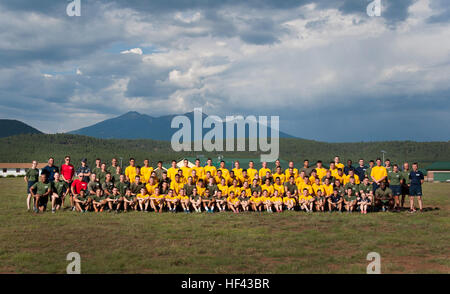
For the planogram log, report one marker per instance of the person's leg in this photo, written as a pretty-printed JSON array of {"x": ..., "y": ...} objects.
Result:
[{"x": 419, "y": 199}]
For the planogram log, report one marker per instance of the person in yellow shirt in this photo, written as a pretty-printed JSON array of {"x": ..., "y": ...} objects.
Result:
[
  {"x": 337, "y": 163},
  {"x": 265, "y": 198},
  {"x": 231, "y": 178},
  {"x": 279, "y": 174},
  {"x": 176, "y": 185},
  {"x": 151, "y": 186},
  {"x": 320, "y": 170},
  {"x": 279, "y": 187},
  {"x": 157, "y": 201},
  {"x": 234, "y": 188},
  {"x": 172, "y": 171},
  {"x": 251, "y": 171},
  {"x": 194, "y": 176},
  {"x": 327, "y": 188},
  {"x": 200, "y": 171},
  {"x": 233, "y": 202},
  {"x": 268, "y": 187},
  {"x": 130, "y": 171},
  {"x": 223, "y": 187},
  {"x": 237, "y": 169},
  {"x": 172, "y": 201},
  {"x": 210, "y": 168},
  {"x": 277, "y": 201},
  {"x": 305, "y": 185},
  {"x": 246, "y": 188},
  {"x": 340, "y": 175},
  {"x": 182, "y": 178},
  {"x": 184, "y": 200},
  {"x": 333, "y": 169},
  {"x": 218, "y": 178},
  {"x": 146, "y": 171},
  {"x": 300, "y": 180},
  {"x": 306, "y": 201},
  {"x": 255, "y": 202},
  {"x": 378, "y": 174},
  {"x": 143, "y": 200},
  {"x": 291, "y": 170},
  {"x": 317, "y": 186},
  {"x": 263, "y": 170},
  {"x": 244, "y": 177},
  {"x": 201, "y": 187},
  {"x": 312, "y": 178},
  {"x": 225, "y": 171},
  {"x": 289, "y": 201},
  {"x": 351, "y": 173},
  {"x": 186, "y": 169}
]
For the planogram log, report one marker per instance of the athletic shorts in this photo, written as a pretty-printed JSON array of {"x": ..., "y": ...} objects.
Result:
[
  {"x": 396, "y": 190},
  {"x": 43, "y": 201},
  {"x": 30, "y": 184},
  {"x": 415, "y": 190}
]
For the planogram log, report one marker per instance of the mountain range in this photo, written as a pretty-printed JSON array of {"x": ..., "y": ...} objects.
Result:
[
  {"x": 134, "y": 125},
  {"x": 11, "y": 127}
]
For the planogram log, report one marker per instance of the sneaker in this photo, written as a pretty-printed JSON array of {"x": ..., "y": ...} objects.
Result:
[{"x": 53, "y": 210}]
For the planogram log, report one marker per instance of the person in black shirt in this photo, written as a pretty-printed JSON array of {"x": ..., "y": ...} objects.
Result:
[
  {"x": 84, "y": 170},
  {"x": 50, "y": 170},
  {"x": 415, "y": 189}
]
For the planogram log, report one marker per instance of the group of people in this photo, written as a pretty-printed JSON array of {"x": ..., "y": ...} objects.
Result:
[{"x": 376, "y": 187}]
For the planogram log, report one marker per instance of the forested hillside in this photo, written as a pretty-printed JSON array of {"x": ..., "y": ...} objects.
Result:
[{"x": 24, "y": 148}]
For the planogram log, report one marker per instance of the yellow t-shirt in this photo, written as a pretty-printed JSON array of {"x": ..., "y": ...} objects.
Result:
[
  {"x": 255, "y": 199},
  {"x": 176, "y": 186},
  {"x": 186, "y": 171},
  {"x": 263, "y": 171},
  {"x": 248, "y": 191},
  {"x": 201, "y": 190},
  {"x": 146, "y": 172},
  {"x": 339, "y": 165},
  {"x": 328, "y": 189},
  {"x": 318, "y": 187},
  {"x": 340, "y": 178},
  {"x": 236, "y": 190},
  {"x": 378, "y": 172},
  {"x": 269, "y": 189},
  {"x": 281, "y": 176},
  {"x": 334, "y": 172},
  {"x": 224, "y": 189},
  {"x": 212, "y": 169},
  {"x": 130, "y": 173},
  {"x": 141, "y": 196},
  {"x": 151, "y": 188},
  {"x": 225, "y": 172},
  {"x": 251, "y": 172},
  {"x": 171, "y": 172},
  {"x": 288, "y": 174},
  {"x": 279, "y": 188},
  {"x": 303, "y": 186},
  {"x": 199, "y": 171},
  {"x": 347, "y": 179},
  {"x": 237, "y": 172},
  {"x": 232, "y": 200},
  {"x": 321, "y": 172}
]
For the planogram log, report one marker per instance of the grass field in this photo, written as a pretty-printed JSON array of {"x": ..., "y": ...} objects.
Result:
[{"x": 291, "y": 242}]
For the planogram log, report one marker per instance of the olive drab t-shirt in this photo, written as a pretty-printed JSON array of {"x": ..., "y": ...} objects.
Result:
[
  {"x": 33, "y": 175},
  {"x": 394, "y": 178},
  {"x": 383, "y": 194},
  {"x": 41, "y": 188},
  {"x": 59, "y": 187}
]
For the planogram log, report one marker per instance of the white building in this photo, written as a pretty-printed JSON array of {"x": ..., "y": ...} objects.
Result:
[{"x": 17, "y": 169}]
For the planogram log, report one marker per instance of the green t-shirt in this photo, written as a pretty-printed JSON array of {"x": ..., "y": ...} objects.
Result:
[
  {"x": 96, "y": 171},
  {"x": 354, "y": 187},
  {"x": 159, "y": 173},
  {"x": 108, "y": 186},
  {"x": 257, "y": 189},
  {"x": 365, "y": 188},
  {"x": 93, "y": 186},
  {"x": 101, "y": 176},
  {"x": 189, "y": 188},
  {"x": 384, "y": 195},
  {"x": 394, "y": 178},
  {"x": 41, "y": 188},
  {"x": 112, "y": 170},
  {"x": 367, "y": 173},
  {"x": 115, "y": 178},
  {"x": 405, "y": 177},
  {"x": 59, "y": 187},
  {"x": 136, "y": 188},
  {"x": 212, "y": 189},
  {"x": 122, "y": 187},
  {"x": 32, "y": 175},
  {"x": 291, "y": 187}
]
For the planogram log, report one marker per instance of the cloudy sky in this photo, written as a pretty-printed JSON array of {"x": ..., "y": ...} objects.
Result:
[{"x": 329, "y": 71}]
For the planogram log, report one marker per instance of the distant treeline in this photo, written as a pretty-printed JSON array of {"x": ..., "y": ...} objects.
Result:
[{"x": 25, "y": 148}]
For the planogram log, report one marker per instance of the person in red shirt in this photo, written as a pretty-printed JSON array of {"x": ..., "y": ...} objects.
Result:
[
  {"x": 77, "y": 186},
  {"x": 67, "y": 173}
]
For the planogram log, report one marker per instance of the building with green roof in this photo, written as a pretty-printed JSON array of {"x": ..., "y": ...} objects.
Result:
[{"x": 438, "y": 171}]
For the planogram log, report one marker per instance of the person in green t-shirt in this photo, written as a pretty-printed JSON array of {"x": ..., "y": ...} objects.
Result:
[
  {"x": 349, "y": 199},
  {"x": 383, "y": 197},
  {"x": 405, "y": 182},
  {"x": 98, "y": 167},
  {"x": 60, "y": 189},
  {"x": 31, "y": 178},
  {"x": 394, "y": 179},
  {"x": 99, "y": 201},
  {"x": 40, "y": 192}
]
